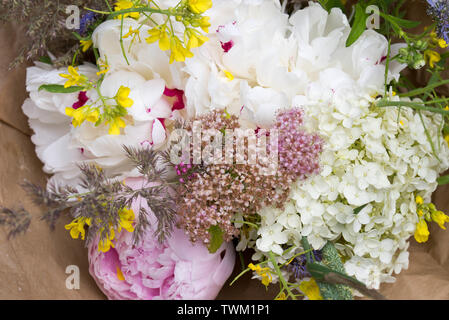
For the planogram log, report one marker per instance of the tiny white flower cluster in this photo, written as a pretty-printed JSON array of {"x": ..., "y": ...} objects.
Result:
[{"x": 383, "y": 159}]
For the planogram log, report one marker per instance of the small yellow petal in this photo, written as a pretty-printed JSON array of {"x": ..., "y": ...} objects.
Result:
[
  {"x": 199, "y": 6},
  {"x": 422, "y": 232},
  {"x": 85, "y": 45},
  {"x": 442, "y": 43},
  {"x": 419, "y": 200},
  {"x": 310, "y": 289},
  {"x": 120, "y": 275},
  {"x": 164, "y": 41},
  {"x": 228, "y": 75}
]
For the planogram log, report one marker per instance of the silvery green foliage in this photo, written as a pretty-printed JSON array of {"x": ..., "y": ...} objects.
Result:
[
  {"x": 329, "y": 291},
  {"x": 44, "y": 26}
]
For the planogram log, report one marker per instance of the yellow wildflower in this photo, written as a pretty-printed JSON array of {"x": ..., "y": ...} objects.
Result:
[
  {"x": 432, "y": 57},
  {"x": 86, "y": 44},
  {"x": 82, "y": 114},
  {"x": 178, "y": 52},
  {"x": 310, "y": 289},
  {"x": 93, "y": 116},
  {"x": 159, "y": 35},
  {"x": 422, "y": 232},
  {"x": 78, "y": 115},
  {"x": 204, "y": 23},
  {"x": 115, "y": 125},
  {"x": 196, "y": 40},
  {"x": 123, "y": 5},
  {"x": 73, "y": 78},
  {"x": 442, "y": 43},
  {"x": 199, "y": 6},
  {"x": 134, "y": 33},
  {"x": 126, "y": 220},
  {"x": 106, "y": 244},
  {"x": 76, "y": 227},
  {"x": 122, "y": 97},
  {"x": 447, "y": 138},
  {"x": 263, "y": 272},
  {"x": 440, "y": 218},
  {"x": 281, "y": 296},
  {"x": 419, "y": 200}
]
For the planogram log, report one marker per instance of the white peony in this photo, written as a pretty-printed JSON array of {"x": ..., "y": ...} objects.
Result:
[{"x": 61, "y": 147}]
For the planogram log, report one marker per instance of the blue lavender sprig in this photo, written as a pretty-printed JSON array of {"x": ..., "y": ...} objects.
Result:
[
  {"x": 298, "y": 265},
  {"x": 439, "y": 11},
  {"x": 86, "y": 21}
]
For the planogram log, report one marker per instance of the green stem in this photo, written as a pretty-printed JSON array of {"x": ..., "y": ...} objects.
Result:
[
  {"x": 243, "y": 272},
  {"x": 113, "y": 14},
  {"x": 413, "y": 105},
  {"x": 109, "y": 6},
  {"x": 297, "y": 255},
  {"x": 281, "y": 278},
  {"x": 121, "y": 41},
  {"x": 424, "y": 90},
  {"x": 248, "y": 223},
  {"x": 387, "y": 65}
]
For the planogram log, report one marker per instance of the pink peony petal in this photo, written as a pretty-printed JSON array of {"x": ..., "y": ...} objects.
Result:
[{"x": 176, "y": 269}]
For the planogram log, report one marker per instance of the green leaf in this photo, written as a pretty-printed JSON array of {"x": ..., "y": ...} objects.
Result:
[
  {"x": 45, "y": 59},
  {"x": 329, "y": 4},
  {"x": 359, "y": 25},
  {"x": 330, "y": 265},
  {"x": 216, "y": 238},
  {"x": 357, "y": 210},
  {"x": 58, "y": 88},
  {"x": 403, "y": 23},
  {"x": 443, "y": 180}
]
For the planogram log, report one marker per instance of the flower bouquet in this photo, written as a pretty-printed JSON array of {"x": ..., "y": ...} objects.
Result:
[{"x": 179, "y": 134}]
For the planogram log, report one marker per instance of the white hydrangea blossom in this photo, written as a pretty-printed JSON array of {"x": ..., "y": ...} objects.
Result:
[{"x": 384, "y": 168}]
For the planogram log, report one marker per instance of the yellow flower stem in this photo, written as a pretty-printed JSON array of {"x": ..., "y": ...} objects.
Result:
[
  {"x": 121, "y": 40},
  {"x": 296, "y": 255},
  {"x": 245, "y": 271},
  {"x": 113, "y": 14},
  {"x": 281, "y": 278}
]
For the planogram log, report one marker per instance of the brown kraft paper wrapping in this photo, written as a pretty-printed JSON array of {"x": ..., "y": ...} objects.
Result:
[{"x": 33, "y": 265}]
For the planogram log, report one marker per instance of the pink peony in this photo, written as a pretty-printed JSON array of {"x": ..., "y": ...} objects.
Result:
[{"x": 177, "y": 269}]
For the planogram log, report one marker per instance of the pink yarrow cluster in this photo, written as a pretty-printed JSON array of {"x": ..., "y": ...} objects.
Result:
[
  {"x": 213, "y": 195},
  {"x": 299, "y": 151}
]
